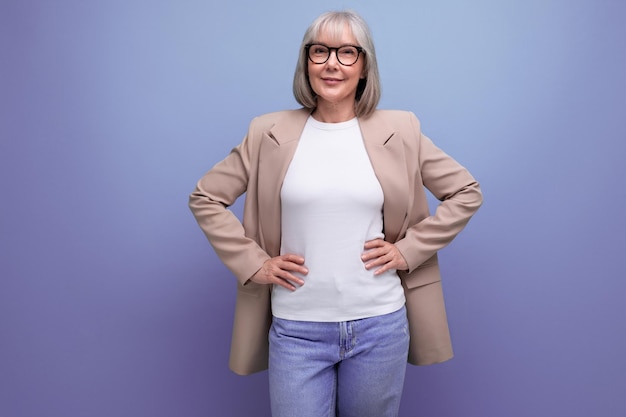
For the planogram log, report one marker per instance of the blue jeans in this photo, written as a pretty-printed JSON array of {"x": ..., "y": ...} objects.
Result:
[{"x": 346, "y": 369}]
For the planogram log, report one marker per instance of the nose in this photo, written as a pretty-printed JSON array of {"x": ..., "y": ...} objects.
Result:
[{"x": 332, "y": 59}]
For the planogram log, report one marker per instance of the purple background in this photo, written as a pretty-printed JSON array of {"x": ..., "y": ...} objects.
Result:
[{"x": 112, "y": 302}]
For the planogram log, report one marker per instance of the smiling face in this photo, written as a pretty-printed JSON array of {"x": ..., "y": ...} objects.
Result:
[{"x": 336, "y": 84}]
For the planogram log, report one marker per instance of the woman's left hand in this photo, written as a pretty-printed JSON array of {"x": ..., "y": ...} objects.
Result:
[{"x": 386, "y": 255}]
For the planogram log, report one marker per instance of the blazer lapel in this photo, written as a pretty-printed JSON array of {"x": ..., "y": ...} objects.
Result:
[
  {"x": 386, "y": 153},
  {"x": 278, "y": 146}
]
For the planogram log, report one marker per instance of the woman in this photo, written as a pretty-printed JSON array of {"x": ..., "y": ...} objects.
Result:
[{"x": 336, "y": 235}]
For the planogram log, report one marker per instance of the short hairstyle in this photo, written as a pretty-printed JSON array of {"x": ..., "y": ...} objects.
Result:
[{"x": 368, "y": 90}]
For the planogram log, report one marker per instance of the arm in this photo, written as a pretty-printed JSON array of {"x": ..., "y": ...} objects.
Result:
[
  {"x": 218, "y": 189},
  {"x": 214, "y": 193},
  {"x": 460, "y": 198}
]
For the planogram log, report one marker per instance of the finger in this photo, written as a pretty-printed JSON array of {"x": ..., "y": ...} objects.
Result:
[
  {"x": 285, "y": 275},
  {"x": 396, "y": 262},
  {"x": 390, "y": 261},
  {"x": 378, "y": 261},
  {"x": 275, "y": 265},
  {"x": 392, "y": 264},
  {"x": 382, "y": 269},
  {"x": 376, "y": 250},
  {"x": 290, "y": 257},
  {"x": 272, "y": 274},
  {"x": 294, "y": 267},
  {"x": 283, "y": 283},
  {"x": 292, "y": 262},
  {"x": 376, "y": 253},
  {"x": 374, "y": 243}
]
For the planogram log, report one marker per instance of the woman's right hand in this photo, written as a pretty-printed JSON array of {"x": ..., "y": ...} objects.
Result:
[{"x": 278, "y": 270}]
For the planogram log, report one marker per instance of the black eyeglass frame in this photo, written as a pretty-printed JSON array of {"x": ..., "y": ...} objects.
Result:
[{"x": 359, "y": 50}]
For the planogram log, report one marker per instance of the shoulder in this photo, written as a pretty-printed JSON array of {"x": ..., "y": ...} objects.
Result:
[
  {"x": 399, "y": 121},
  {"x": 397, "y": 116},
  {"x": 267, "y": 121}
]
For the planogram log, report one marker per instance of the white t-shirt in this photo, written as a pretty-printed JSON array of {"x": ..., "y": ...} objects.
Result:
[{"x": 331, "y": 204}]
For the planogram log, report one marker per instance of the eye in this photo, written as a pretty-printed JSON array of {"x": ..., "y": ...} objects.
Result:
[
  {"x": 319, "y": 50},
  {"x": 348, "y": 51}
]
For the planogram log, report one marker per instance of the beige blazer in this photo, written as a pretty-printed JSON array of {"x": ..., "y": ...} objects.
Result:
[{"x": 404, "y": 160}]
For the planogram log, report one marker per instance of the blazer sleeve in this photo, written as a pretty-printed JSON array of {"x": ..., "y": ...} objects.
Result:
[
  {"x": 456, "y": 189},
  {"x": 214, "y": 193}
]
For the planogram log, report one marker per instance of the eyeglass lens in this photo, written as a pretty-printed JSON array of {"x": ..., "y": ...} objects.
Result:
[{"x": 346, "y": 55}]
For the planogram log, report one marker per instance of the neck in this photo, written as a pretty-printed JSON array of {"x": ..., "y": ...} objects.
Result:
[{"x": 333, "y": 113}]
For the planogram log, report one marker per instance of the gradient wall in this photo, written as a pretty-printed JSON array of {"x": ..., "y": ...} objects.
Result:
[{"x": 112, "y": 303}]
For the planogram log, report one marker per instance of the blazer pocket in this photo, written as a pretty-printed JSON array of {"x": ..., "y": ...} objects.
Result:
[
  {"x": 433, "y": 260},
  {"x": 251, "y": 288},
  {"x": 425, "y": 274}
]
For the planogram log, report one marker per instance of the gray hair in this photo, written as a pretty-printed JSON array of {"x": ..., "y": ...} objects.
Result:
[{"x": 368, "y": 90}]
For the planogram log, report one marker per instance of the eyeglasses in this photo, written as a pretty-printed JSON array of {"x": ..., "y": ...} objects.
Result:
[{"x": 346, "y": 55}]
